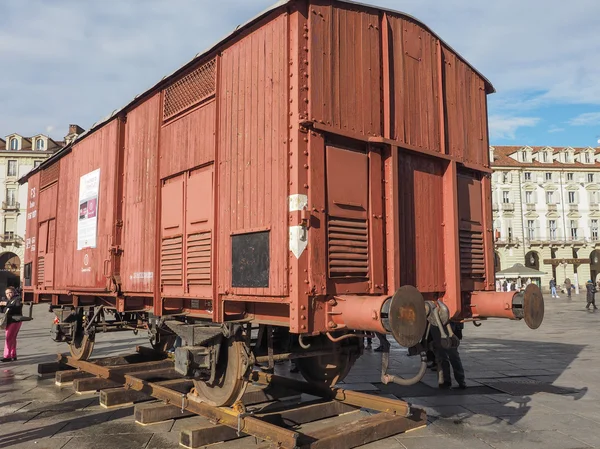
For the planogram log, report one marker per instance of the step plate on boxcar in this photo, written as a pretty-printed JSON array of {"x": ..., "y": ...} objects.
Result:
[{"x": 407, "y": 316}]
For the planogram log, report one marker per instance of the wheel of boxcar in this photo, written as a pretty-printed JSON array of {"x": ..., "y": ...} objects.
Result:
[
  {"x": 81, "y": 346},
  {"x": 327, "y": 369},
  {"x": 229, "y": 384}
]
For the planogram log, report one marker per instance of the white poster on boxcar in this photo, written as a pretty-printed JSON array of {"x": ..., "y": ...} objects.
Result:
[{"x": 87, "y": 225}]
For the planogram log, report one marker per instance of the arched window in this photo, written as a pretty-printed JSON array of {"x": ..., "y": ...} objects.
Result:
[
  {"x": 39, "y": 144},
  {"x": 14, "y": 144}
]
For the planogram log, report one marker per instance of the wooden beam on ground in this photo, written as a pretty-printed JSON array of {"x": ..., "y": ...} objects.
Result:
[
  {"x": 92, "y": 385},
  {"x": 65, "y": 377},
  {"x": 362, "y": 431},
  {"x": 155, "y": 412},
  {"x": 49, "y": 369},
  {"x": 205, "y": 434},
  {"x": 113, "y": 397}
]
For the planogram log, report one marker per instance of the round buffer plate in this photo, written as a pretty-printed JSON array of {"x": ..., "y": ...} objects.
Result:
[
  {"x": 407, "y": 316},
  {"x": 533, "y": 306}
]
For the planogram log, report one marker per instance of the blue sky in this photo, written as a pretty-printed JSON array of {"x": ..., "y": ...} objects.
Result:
[{"x": 70, "y": 61}]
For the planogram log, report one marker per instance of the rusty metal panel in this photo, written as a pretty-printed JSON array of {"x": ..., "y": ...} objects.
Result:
[
  {"x": 345, "y": 67},
  {"x": 471, "y": 231},
  {"x": 466, "y": 115},
  {"x": 173, "y": 228},
  {"x": 188, "y": 141},
  {"x": 199, "y": 227},
  {"x": 47, "y": 204},
  {"x": 86, "y": 268},
  {"x": 420, "y": 191},
  {"x": 253, "y": 131},
  {"x": 139, "y": 197},
  {"x": 414, "y": 85}
]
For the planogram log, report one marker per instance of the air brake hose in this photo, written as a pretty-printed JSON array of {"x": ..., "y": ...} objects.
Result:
[{"x": 399, "y": 380}]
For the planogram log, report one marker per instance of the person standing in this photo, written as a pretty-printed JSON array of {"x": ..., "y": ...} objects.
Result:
[
  {"x": 13, "y": 307},
  {"x": 449, "y": 357},
  {"x": 590, "y": 295},
  {"x": 568, "y": 287},
  {"x": 553, "y": 288}
]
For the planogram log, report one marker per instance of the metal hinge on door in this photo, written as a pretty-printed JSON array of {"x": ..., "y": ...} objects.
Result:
[{"x": 116, "y": 250}]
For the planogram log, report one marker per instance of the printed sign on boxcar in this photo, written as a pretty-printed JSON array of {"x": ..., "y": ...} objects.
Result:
[{"x": 87, "y": 226}]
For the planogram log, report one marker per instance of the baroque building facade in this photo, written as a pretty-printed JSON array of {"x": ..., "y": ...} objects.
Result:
[
  {"x": 546, "y": 209},
  {"x": 18, "y": 155}
]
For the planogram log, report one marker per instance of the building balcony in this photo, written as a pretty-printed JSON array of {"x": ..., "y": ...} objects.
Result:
[
  {"x": 530, "y": 207},
  {"x": 10, "y": 205},
  {"x": 594, "y": 207},
  {"x": 508, "y": 206},
  {"x": 11, "y": 238},
  {"x": 573, "y": 207},
  {"x": 552, "y": 207},
  {"x": 510, "y": 241}
]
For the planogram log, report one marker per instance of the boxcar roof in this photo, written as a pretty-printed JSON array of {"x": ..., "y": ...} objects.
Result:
[{"x": 65, "y": 150}]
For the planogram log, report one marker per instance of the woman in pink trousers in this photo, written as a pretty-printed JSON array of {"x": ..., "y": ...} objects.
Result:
[{"x": 12, "y": 303}]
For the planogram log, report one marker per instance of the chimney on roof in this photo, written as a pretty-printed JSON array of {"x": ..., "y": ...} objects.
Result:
[{"x": 74, "y": 131}]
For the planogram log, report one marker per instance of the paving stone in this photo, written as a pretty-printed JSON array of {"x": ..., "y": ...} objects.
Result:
[{"x": 126, "y": 441}]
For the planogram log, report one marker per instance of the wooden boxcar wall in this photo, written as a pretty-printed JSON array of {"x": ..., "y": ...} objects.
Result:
[{"x": 86, "y": 268}]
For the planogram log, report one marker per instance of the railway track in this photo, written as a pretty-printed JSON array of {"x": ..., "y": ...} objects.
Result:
[{"x": 271, "y": 409}]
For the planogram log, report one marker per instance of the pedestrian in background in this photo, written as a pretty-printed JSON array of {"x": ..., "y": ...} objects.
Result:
[
  {"x": 12, "y": 306},
  {"x": 449, "y": 357},
  {"x": 553, "y": 288},
  {"x": 568, "y": 287},
  {"x": 590, "y": 295}
]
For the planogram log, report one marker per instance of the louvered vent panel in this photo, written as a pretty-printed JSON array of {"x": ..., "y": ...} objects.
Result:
[
  {"x": 348, "y": 245},
  {"x": 199, "y": 258},
  {"x": 49, "y": 175},
  {"x": 171, "y": 261},
  {"x": 40, "y": 271},
  {"x": 190, "y": 90},
  {"x": 472, "y": 259}
]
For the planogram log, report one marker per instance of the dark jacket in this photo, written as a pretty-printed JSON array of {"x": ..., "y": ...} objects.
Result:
[
  {"x": 591, "y": 289},
  {"x": 552, "y": 283},
  {"x": 14, "y": 307}
]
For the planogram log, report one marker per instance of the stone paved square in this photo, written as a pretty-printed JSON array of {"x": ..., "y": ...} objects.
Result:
[{"x": 527, "y": 389}]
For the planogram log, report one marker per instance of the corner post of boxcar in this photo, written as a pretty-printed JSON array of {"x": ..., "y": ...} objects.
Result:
[
  {"x": 452, "y": 296},
  {"x": 217, "y": 304},
  {"x": 158, "y": 300},
  {"x": 299, "y": 207},
  {"x": 116, "y": 248}
]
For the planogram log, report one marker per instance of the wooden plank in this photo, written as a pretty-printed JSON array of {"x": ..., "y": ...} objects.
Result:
[
  {"x": 155, "y": 412},
  {"x": 206, "y": 434},
  {"x": 114, "y": 397},
  {"x": 65, "y": 377},
  {"x": 92, "y": 385},
  {"x": 49, "y": 369},
  {"x": 362, "y": 431}
]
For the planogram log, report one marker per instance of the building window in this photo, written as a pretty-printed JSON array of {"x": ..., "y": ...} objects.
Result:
[
  {"x": 545, "y": 156},
  {"x": 505, "y": 197},
  {"x": 590, "y": 177},
  {"x": 506, "y": 178},
  {"x": 594, "y": 197},
  {"x": 11, "y": 169},
  {"x": 9, "y": 228},
  {"x": 594, "y": 226},
  {"x": 569, "y": 176},
  {"x": 528, "y": 197},
  {"x": 527, "y": 176},
  {"x": 587, "y": 158},
  {"x": 530, "y": 229},
  {"x": 548, "y": 176},
  {"x": 552, "y": 229},
  {"x": 39, "y": 144},
  {"x": 573, "y": 225},
  {"x": 568, "y": 157},
  {"x": 524, "y": 156},
  {"x": 11, "y": 197},
  {"x": 549, "y": 198},
  {"x": 571, "y": 197},
  {"x": 36, "y": 164},
  {"x": 14, "y": 144}
]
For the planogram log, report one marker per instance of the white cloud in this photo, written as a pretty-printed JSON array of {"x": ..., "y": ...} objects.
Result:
[
  {"x": 77, "y": 61},
  {"x": 505, "y": 127},
  {"x": 555, "y": 129},
  {"x": 587, "y": 119}
]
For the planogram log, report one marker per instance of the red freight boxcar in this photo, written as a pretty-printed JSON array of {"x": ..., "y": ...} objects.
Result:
[{"x": 320, "y": 174}]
